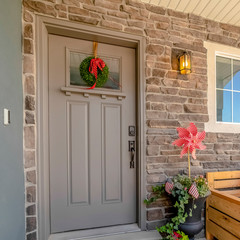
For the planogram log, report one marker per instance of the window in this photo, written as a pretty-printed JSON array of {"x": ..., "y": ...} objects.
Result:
[
  {"x": 114, "y": 80},
  {"x": 223, "y": 88},
  {"x": 228, "y": 89}
]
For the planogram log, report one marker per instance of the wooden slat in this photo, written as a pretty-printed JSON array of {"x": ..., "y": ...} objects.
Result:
[
  {"x": 164, "y": 3},
  {"x": 231, "y": 206},
  {"x": 230, "y": 4},
  {"x": 209, "y": 8},
  {"x": 226, "y": 183},
  {"x": 222, "y": 194},
  {"x": 238, "y": 23},
  {"x": 210, "y": 179},
  {"x": 209, "y": 235},
  {"x": 182, "y": 5},
  {"x": 235, "y": 19},
  {"x": 235, "y": 192},
  {"x": 229, "y": 197},
  {"x": 155, "y": 2},
  {"x": 191, "y": 6},
  {"x": 218, "y": 232},
  {"x": 218, "y": 9},
  {"x": 173, "y": 4},
  {"x": 201, "y": 6},
  {"x": 224, "y": 221},
  {"x": 224, "y": 175},
  {"x": 232, "y": 13}
]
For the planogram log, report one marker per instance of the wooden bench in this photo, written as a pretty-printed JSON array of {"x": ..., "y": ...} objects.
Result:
[{"x": 223, "y": 206}]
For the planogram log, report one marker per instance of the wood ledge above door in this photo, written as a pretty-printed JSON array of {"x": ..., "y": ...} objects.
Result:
[{"x": 87, "y": 92}]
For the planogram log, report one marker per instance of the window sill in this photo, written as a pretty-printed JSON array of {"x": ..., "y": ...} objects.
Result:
[{"x": 219, "y": 127}]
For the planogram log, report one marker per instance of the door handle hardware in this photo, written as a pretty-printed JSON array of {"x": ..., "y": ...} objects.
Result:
[
  {"x": 132, "y": 158},
  {"x": 131, "y": 146}
]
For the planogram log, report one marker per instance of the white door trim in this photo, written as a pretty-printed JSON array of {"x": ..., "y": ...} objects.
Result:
[{"x": 45, "y": 26}]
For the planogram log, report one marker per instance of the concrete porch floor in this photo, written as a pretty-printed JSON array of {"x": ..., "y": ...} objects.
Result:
[
  {"x": 151, "y": 235},
  {"x": 141, "y": 235},
  {"x": 124, "y": 232}
]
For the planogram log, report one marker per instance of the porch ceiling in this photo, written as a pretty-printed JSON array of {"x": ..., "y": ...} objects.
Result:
[{"x": 225, "y": 11}]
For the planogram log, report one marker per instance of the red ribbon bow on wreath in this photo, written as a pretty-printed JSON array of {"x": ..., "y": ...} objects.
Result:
[
  {"x": 95, "y": 63},
  {"x": 93, "y": 67}
]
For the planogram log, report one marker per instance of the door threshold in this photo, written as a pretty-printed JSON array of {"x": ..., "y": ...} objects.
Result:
[{"x": 130, "y": 231}]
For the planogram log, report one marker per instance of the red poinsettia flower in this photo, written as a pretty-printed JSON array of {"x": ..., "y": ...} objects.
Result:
[{"x": 190, "y": 139}]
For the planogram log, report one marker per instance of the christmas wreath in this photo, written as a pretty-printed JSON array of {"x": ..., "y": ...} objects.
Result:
[{"x": 94, "y": 71}]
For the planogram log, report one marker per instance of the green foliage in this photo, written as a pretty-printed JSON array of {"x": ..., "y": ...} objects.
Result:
[
  {"x": 202, "y": 185},
  {"x": 182, "y": 198},
  {"x": 89, "y": 78},
  {"x": 184, "y": 236},
  {"x": 181, "y": 183},
  {"x": 158, "y": 191},
  {"x": 170, "y": 237}
]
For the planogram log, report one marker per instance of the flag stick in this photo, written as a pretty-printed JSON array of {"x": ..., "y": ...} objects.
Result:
[{"x": 189, "y": 164}]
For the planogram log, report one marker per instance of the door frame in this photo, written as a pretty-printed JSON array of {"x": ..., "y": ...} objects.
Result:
[{"x": 44, "y": 27}]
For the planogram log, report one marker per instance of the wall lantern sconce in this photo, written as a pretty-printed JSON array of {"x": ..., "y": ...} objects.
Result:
[{"x": 185, "y": 65}]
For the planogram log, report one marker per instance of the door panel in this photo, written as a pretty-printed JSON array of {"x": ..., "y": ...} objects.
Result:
[
  {"x": 91, "y": 183},
  {"x": 112, "y": 149},
  {"x": 78, "y": 175}
]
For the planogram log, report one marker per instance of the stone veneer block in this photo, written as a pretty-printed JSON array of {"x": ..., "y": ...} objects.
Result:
[
  {"x": 83, "y": 19},
  {"x": 40, "y": 7},
  {"x": 28, "y": 31},
  {"x": 27, "y": 16},
  {"x": 32, "y": 236},
  {"x": 28, "y": 46},
  {"x": 107, "y": 4},
  {"x": 29, "y": 157},
  {"x": 31, "y": 176},
  {"x": 30, "y": 103},
  {"x": 29, "y": 86},
  {"x": 154, "y": 215},
  {"x": 31, "y": 194},
  {"x": 29, "y": 137},
  {"x": 29, "y": 118},
  {"x": 31, "y": 210},
  {"x": 31, "y": 224},
  {"x": 28, "y": 64}
]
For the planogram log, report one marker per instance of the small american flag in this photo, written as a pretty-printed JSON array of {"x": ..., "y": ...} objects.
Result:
[
  {"x": 168, "y": 186},
  {"x": 193, "y": 191}
]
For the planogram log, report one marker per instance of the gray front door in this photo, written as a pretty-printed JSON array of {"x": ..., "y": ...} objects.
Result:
[{"x": 91, "y": 182}]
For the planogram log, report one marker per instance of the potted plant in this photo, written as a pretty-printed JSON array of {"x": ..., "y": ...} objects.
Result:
[{"x": 189, "y": 193}]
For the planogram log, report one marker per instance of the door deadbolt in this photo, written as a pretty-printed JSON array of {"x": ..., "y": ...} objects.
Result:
[{"x": 131, "y": 131}]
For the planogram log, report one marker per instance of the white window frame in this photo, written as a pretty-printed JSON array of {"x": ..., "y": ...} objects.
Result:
[{"x": 213, "y": 50}]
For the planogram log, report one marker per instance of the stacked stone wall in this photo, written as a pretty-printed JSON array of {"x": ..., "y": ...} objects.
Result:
[{"x": 171, "y": 99}]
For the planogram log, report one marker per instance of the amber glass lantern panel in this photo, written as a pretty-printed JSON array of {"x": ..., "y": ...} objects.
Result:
[{"x": 185, "y": 64}]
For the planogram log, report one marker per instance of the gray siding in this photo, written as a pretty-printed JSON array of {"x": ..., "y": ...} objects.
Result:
[{"x": 12, "y": 223}]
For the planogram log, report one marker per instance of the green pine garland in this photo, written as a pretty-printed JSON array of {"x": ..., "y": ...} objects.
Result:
[{"x": 88, "y": 77}]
